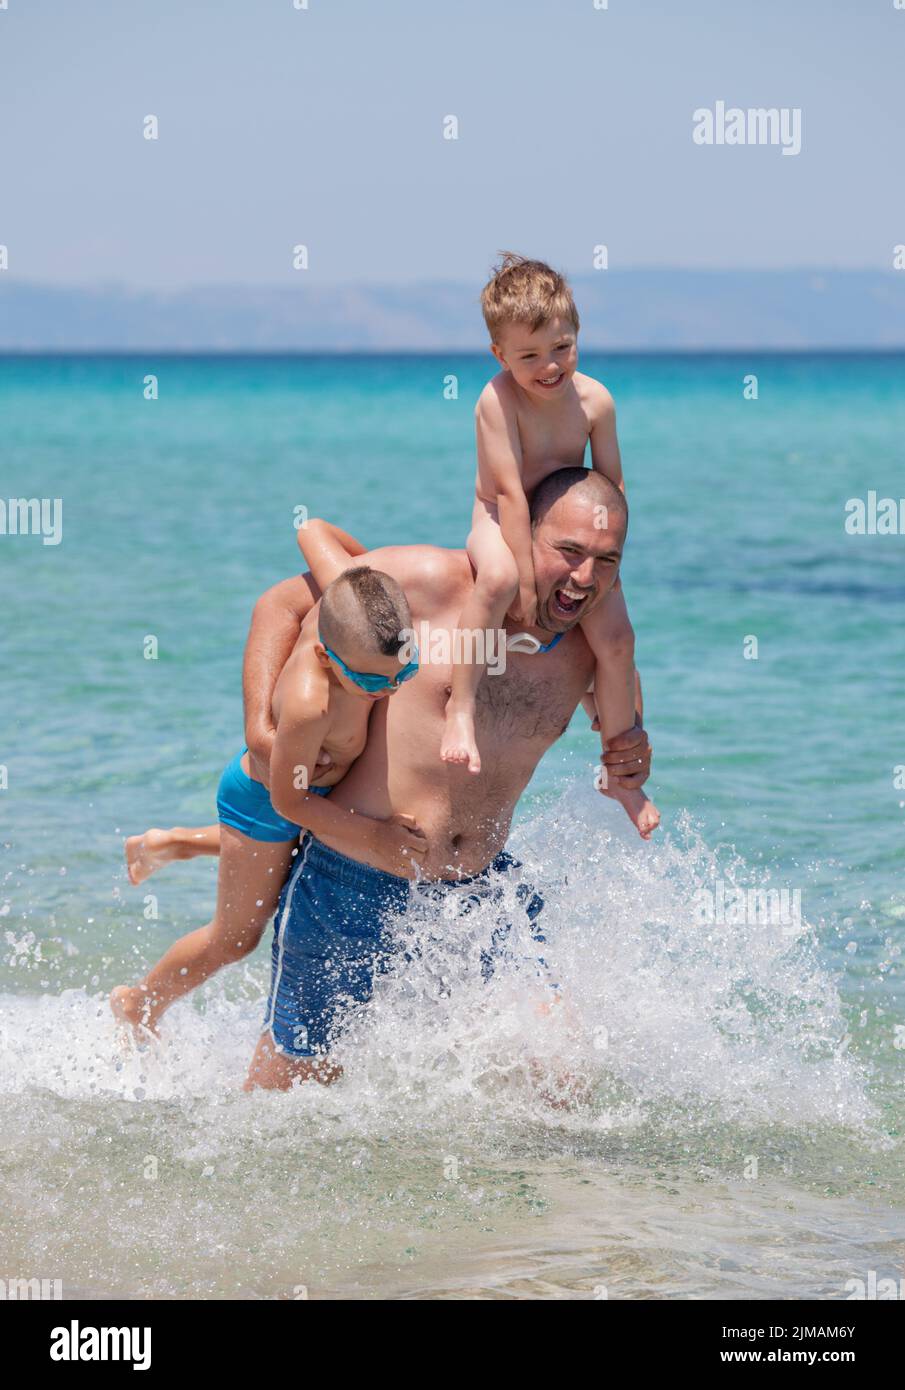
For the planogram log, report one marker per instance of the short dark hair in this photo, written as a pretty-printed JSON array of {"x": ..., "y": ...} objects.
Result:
[
  {"x": 368, "y": 606},
  {"x": 557, "y": 484}
]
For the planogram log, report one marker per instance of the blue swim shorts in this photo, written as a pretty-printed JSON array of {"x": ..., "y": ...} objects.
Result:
[
  {"x": 245, "y": 804},
  {"x": 332, "y": 934}
]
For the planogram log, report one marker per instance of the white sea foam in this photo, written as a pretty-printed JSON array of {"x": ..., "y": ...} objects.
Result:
[{"x": 658, "y": 1015}]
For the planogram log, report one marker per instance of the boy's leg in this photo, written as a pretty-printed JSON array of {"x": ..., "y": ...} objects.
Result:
[
  {"x": 147, "y": 853},
  {"x": 589, "y": 705},
  {"x": 249, "y": 881},
  {"x": 610, "y": 637},
  {"x": 272, "y": 1070},
  {"x": 496, "y": 585}
]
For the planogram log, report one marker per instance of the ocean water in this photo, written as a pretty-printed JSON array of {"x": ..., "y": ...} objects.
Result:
[{"x": 740, "y": 1133}]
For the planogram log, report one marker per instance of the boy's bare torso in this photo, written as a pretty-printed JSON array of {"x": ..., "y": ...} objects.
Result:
[{"x": 552, "y": 436}]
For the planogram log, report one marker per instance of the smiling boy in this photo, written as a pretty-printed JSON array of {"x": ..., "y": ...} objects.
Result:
[{"x": 537, "y": 416}]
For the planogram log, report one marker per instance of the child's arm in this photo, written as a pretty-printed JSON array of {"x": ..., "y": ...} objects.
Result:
[
  {"x": 274, "y": 631},
  {"x": 500, "y": 471},
  {"x": 589, "y": 705},
  {"x": 392, "y": 845},
  {"x": 605, "y": 456},
  {"x": 328, "y": 551}
]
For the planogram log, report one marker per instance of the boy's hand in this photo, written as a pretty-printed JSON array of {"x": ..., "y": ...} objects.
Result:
[
  {"x": 627, "y": 759},
  {"x": 397, "y": 843}
]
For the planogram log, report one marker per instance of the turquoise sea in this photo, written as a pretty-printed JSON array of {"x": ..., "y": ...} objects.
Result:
[{"x": 744, "y": 1136}]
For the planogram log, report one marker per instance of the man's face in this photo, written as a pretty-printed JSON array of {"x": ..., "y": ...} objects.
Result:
[
  {"x": 543, "y": 362},
  {"x": 577, "y": 549}
]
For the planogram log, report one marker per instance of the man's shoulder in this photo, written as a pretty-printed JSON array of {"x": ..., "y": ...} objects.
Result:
[{"x": 426, "y": 572}]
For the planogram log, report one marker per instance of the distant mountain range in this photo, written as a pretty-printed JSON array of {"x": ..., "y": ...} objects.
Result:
[{"x": 630, "y": 310}]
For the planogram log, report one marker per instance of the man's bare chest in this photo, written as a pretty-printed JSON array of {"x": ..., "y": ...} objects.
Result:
[{"x": 532, "y": 701}]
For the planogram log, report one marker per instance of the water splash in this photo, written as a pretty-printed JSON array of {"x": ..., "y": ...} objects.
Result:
[{"x": 656, "y": 1015}]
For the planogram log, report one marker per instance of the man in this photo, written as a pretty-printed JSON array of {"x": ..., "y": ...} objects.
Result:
[{"x": 329, "y": 926}]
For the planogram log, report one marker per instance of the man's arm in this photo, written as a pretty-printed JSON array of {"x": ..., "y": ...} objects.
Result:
[
  {"x": 628, "y": 755},
  {"x": 274, "y": 630}
]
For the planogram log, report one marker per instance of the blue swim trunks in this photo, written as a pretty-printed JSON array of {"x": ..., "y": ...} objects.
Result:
[
  {"x": 245, "y": 804},
  {"x": 331, "y": 935}
]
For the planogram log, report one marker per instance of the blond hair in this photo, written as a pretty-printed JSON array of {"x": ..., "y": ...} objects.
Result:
[{"x": 528, "y": 292}]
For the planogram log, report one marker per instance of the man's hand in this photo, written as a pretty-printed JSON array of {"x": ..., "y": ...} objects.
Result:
[{"x": 627, "y": 759}]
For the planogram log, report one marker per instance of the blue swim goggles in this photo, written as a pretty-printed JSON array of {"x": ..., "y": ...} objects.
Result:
[{"x": 365, "y": 680}]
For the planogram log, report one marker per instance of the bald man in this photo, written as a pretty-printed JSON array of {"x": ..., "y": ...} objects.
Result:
[{"x": 331, "y": 923}]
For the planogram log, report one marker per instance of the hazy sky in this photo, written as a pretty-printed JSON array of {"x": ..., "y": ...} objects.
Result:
[{"x": 325, "y": 126}]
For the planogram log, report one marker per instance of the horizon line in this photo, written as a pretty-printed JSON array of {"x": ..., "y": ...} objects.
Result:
[
  {"x": 841, "y": 350},
  {"x": 11, "y": 279}
]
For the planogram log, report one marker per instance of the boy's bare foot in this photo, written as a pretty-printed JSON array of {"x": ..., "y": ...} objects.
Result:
[
  {"x": 147, "y": 853},
  {"x": 132, "y": 1004},
  {"x": 641, "y": 812},
  {"x": 459, "y": 745}
]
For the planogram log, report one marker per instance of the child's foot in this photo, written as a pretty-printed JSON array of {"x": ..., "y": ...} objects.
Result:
[
  {"x": 147, "y": 853},
  {"x": 132, "y": 1004},
  {"x": 459, "y": 744},
  {"x": 641, "y": 812}
]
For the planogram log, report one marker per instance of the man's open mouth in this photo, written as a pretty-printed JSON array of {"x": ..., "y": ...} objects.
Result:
[
  {"x": 549, "y": 383},
  {"x": 567, "y": 602}
]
